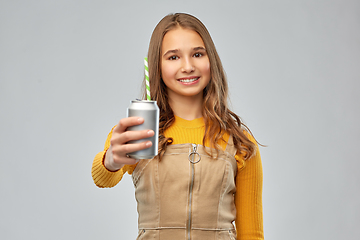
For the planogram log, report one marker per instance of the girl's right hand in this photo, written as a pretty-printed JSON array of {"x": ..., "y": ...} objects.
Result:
[{"x": 116, "y": 156}]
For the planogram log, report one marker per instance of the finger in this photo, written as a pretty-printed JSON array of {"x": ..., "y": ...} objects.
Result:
[
  {"x": 119, "y": 157},
  {"x": 123, "y": 138},
  {"x": 123, "y": 150},
  {"x": 126, "y": 160},
  {"x": 134, "y": 135},
  {"x": 128, "y": 122}
]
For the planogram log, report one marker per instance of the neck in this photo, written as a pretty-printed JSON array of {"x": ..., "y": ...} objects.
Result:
[{"x": 188, "y": 108}]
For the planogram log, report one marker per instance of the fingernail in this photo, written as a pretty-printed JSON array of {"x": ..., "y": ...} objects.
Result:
[
  {"x": 150, "y": 132},
  {"x": 148, "y": 144}
]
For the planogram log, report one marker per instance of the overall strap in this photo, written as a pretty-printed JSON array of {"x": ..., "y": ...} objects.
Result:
[{"x": 230, "y": 148}]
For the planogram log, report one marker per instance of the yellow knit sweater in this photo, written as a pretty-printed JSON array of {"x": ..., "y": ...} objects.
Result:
[{"x": 248, "y": 197}]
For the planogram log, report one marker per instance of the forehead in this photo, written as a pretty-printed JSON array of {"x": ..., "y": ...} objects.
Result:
[{"x": 180, "y": 38}]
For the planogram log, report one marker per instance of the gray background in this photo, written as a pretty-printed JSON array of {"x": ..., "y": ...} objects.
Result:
[{"x": 68, "y": 70}]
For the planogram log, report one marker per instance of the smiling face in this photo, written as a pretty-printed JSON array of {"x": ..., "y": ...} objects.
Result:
[{"x": 185, "y": 66}]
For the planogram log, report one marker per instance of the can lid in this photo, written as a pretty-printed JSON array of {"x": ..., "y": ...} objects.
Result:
[
  {"x": 143, "y": 105},
  {"x": 142, "y": 101}
]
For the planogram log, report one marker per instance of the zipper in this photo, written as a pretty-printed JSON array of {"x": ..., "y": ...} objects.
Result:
[
  {"x": 191, "y": 156},
  {"x": 192, "y": 160}
]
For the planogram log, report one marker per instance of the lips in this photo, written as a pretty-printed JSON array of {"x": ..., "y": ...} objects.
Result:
[{"x": 188, "y": 80}]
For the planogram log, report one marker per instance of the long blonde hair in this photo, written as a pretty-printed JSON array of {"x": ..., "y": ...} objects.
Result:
[{"x": 217, "y": 116}]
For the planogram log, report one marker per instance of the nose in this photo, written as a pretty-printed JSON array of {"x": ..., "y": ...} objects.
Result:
[{"x": 187, "y": 65}]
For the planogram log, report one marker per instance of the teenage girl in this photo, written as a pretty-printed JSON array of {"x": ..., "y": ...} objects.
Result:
[{"x": 208, "y": 173}]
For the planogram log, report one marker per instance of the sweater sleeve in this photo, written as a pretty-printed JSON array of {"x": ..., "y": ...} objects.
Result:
[
  {"x": 248, "y": 197},
  {"x": 101, "y": 175}
]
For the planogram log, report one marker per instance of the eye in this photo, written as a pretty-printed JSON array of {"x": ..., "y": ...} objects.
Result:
[
  {"x": 174, "y": 57},
  {"x": 198, "y": 55}
]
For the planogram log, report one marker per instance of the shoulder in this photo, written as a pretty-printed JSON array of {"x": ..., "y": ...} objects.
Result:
[
  {"x": 241, "y": 155},
  {"x": 250, "y": 136}
]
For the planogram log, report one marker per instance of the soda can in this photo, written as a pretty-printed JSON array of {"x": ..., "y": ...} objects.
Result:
[{"x": 149, "y": 111}]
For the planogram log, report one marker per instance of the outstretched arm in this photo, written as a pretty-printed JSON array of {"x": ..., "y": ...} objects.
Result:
[{"x": 110, "y": 165}]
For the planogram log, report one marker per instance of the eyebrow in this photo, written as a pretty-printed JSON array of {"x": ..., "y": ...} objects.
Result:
[
  {"x": 199, "y": 48},
  {"x": 171, "y": 51},
  {"x": 177, "y": 50}
]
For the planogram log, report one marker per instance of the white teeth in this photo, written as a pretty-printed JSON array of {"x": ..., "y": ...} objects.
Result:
[{"x": 188, "y": 80}]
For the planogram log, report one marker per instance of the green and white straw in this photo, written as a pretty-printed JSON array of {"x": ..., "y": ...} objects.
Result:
[{"x": 147, "y": 79}]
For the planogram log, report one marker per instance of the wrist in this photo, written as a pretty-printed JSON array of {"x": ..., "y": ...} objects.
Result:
[{"x": 109, "y": 162}]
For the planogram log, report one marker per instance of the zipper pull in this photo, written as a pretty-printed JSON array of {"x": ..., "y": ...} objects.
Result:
[
  {"x": 193, "y": 153},
  {"x": 194, "y": 147}
]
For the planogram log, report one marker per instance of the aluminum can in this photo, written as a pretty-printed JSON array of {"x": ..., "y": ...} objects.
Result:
[{"x": 149, "y": 111}]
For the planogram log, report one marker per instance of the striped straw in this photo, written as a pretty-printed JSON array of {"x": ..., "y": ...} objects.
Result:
[{"x": 147, "y": 79}]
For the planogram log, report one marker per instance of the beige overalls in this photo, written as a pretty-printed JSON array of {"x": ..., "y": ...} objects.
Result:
[{"x": 186, "y": 195}]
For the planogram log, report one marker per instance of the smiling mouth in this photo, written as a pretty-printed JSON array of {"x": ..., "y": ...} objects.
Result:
[{"x": 189, "y": 80}]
